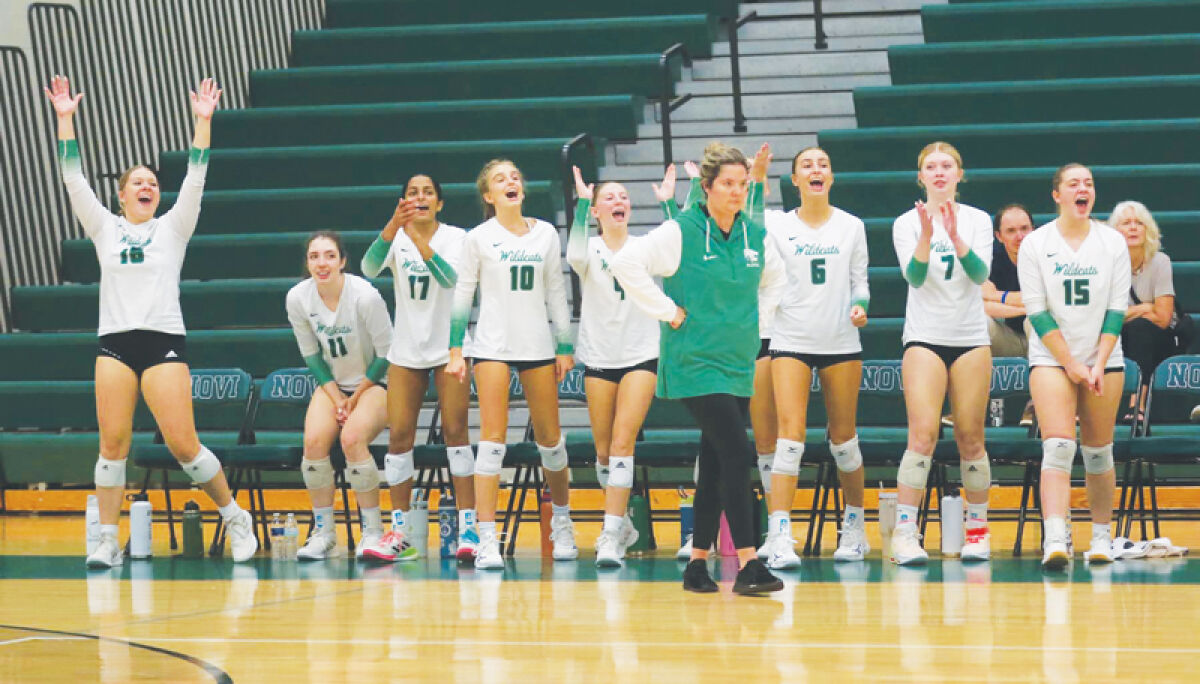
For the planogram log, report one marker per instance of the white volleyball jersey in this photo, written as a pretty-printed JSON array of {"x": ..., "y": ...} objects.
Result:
[
  {"x": 947, "y": 309},
  {"x": 523, "y": 314},
  {"x": 348, "y": 338},
  {"x": 1076, "y": 287},
  {"x": 613, "y": 331},
  {"x": 826, "y": 276},
  {"x": 139, "y": 263},
  {"x": 421, "y": 336}
]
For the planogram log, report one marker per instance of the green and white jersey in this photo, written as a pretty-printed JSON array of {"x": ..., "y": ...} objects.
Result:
[
  {"x": 349, "y": 337},
  {"x": 613, "y": 331},
  {"x": 421, "y": 335},
  {"x": 139, "y": 263},
  {"x": 947, "y": 308},
  {"x": 827, "y": 276},
  {"x": 1077, "y": 287},
  {"x": 523, "y": 314}
]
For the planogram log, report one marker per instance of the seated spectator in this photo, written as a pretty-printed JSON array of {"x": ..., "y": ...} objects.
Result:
[{"x": 1002, "y": 290}]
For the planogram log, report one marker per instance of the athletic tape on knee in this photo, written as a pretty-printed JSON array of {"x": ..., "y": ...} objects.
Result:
[
  {"x": 462, "y": 461},
  {"x": 977, "y": 474},
  {"x": 1057, "y": 454},
  {"x": 364, "y": 477},
  {"x": 398, "y": 468},
  {"x": 110, "y": 473},
  {"x": 204, "y": 467},
  {"x": 317, "y": 474},
  {"x": 787, "y": 457},
  {"x": 847, "y": 455},
  {"x": 1097, "y": 460},
  {"x": 490, "y": 459},
  {"x": 914, "y": 469},
  {"x": 620, "y": 472},
  {"x": 554, "y": 458}
]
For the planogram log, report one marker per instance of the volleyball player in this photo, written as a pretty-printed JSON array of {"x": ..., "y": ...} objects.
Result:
[
  {"x": 1075, "y": 277},
  {"x": 524, "y": 323},
  {"x": 944, "y": 249},
  {"x": 142, "y": 336},
  {"x": 341, "y": 326},
  {"x": 816, "y": 331},
  {"x": 422, "y": 253}
]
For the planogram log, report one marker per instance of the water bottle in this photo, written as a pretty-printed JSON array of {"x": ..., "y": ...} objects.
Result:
[
  {"x": 139, "y": 527},
  {"x": 193, "y": 531},
  {"x": 291, "y": 534},
  {"x": 764, "y": 517},
  {"x": 887, "y": 514},
  {"x": 418, "y": 528},
  {"x": 639, "y": 514},
  {"x": 687, "y": 517},
  {"x": 277, "y": 540},
  {"x": 996, "y": 412},
  {"x": 448, "y": 527},
  {"x": 91, "y": 518},
  {"x": 952, "y": 524},
  {"x": 545, "y": 513}
]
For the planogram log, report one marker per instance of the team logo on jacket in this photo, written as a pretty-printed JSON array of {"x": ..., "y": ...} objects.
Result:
[{"x": 752, "y": 260}]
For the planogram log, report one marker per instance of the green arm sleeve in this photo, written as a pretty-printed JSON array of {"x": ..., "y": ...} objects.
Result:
[
  {"x": 974, "y": 267},
  {"x": 198, "y": 156},
  {"x": 695, "y": 194},
  {"x": 458, "y": 327},
  {"x": 756, "y": 203},
  {"x": 1044, "y": 324},
  {"x": 68, "y": 152},
  {"x": 670, "y": 211},
  {"x": 1113, "y": 322},
  {"x": 319, "y": 368},
  {"x": 372, "y": 261},
  {"x": 864, "y": 303},
  {"x": 441, "y": 271},
  {"x": 916, "y": 271},
  {"x": 377, "y": 370}
]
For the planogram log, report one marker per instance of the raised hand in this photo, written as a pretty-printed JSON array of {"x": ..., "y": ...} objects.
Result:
[
  {"x": 762, "y": 161},
  {"x": 59, "y": 94},
  {"x": 666, "y": 191},
  {"x": 204, "y": 99},
  {"x": 926, "y": 221},
  {"x": 693, "y": 171},
  {"x": 582, "y": 190},
  {"x": 950, "y": 222}
]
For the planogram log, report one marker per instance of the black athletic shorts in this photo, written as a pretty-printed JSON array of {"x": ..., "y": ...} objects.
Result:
[
  {"x": 764, "y": 350},
  {"x": 521, "y": 366},
  {"x": 616, "y": 374},
  {"x": 946, "y": 353},
  {"x": 817, "y": 361},
  {"x": 141, "y": 349}
]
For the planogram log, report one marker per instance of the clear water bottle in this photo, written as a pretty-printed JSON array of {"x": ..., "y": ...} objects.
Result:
[
  {"x": 277, "y": 540},
  {"x": 291, "y": 533},
  {"x": 996, "y": 412},
  {"x": 91, "y": 518}
]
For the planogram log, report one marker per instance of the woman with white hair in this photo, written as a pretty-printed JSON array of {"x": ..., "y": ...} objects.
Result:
[{"x": 1148, "y": 335}]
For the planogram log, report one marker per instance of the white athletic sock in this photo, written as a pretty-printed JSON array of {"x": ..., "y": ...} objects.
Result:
[
  {"x": 371, "y": 518},
  {"x": 561, "y": 510},
  {"x": 324, "y": 519},
  {"x": 976, "y": 514},
  {"x": 110, "y": 531},
  {"x": 853, "y": 516},
  {"x": 612, "y": 523},
  {"x": 398, "y": 522},
  {"x": 485, "y": 527},
  {"x": 230, "y": 509},
  {"x": 466, "y": 519},
  {"x": 906, "y": 514},
  {"x": 1098, "y": 529},
  {"x": 780, "y": 522}
]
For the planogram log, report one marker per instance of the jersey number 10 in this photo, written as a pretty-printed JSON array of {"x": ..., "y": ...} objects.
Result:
[
  {"x": 133, "y": 255},
  {"x": 521, "y": 277}
]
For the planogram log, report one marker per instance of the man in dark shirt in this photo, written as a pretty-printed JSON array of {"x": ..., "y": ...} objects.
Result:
[{"x": 1002, "y": 291}]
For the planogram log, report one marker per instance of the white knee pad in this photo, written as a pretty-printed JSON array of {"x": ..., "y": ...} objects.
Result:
[
  {"x": 491, "y": 458},
  {"x": 602, "y": 475},
  {"x": 765, "y": 461},
  {"x": 398, "y": 468},
  {"x": 110, "y": 473},
  {"x": 204, "y": 467},
  {"x": 317, "y": 474},
  {"x": 787, "y": 457},
  {"x": 363, "y": 477},
  {"x": 554, "y": 458},
  {"x": 976, "y": 475},
  {"x": 1057, "y": 454},
  {"x": 914, "y": 469},
  {"x": 1097, "y": 460},
  {"x": 847, "y": 455},
  {"x": 620, "y": 472},
  {"x": 462, "y": 461}
]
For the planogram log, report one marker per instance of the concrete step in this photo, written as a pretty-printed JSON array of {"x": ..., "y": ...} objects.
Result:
[
  {"x": 835, "y": 6},
  {"x": 754, "y": 126},
  {"x": 803, "y": 45},
  {"x": 812, "y": 64},
  {"x": 836, "y": 27},
  {"x": 765, "y": 106},
  {"x": 787, "y": 84}
]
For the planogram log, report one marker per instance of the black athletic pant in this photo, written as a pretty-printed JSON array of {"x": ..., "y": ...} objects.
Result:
[
  {"x": 1147, "y": 345},
  {"x": 726, "y": 458}
]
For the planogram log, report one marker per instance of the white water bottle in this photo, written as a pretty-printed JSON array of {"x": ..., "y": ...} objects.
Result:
[
  {"x": 291, "y": 533},
  {"x": 952, "y": 525},
  {"x": 139, "y": 529},
  {"x": 91, "y": 519},
  {"x": 418, "y": 526}
]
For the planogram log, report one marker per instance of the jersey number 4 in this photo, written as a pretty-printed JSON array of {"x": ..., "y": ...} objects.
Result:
[
  {"x": 1077, "y": 292},
  {"x": 133, "y": 255},
  {"x": 337, "y": 347},
  {"x": 521, "y": 277},
  {"x": 421, "y": 283}
]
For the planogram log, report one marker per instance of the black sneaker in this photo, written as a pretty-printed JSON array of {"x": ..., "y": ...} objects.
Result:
[
  {"x": 756, "y": 579},
  {"x": 697, "y": 579}
]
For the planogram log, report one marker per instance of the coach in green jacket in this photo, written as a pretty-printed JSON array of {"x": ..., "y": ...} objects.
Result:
[{"x": 719, "y": 275}]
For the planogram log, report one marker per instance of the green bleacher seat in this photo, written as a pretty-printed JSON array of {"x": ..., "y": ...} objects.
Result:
[
  {"x": 503, "y": 39},
  {"x": 1058, "y": 19},
  {"x": 606, "y": 116},
  {"x": 1083, "y": 99},
  {"x": 506, "y": 78},
  {"x": 373, "y": 164},
  {"x": 55, "y": 406},
  {"x": 345, "y": 13}
]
